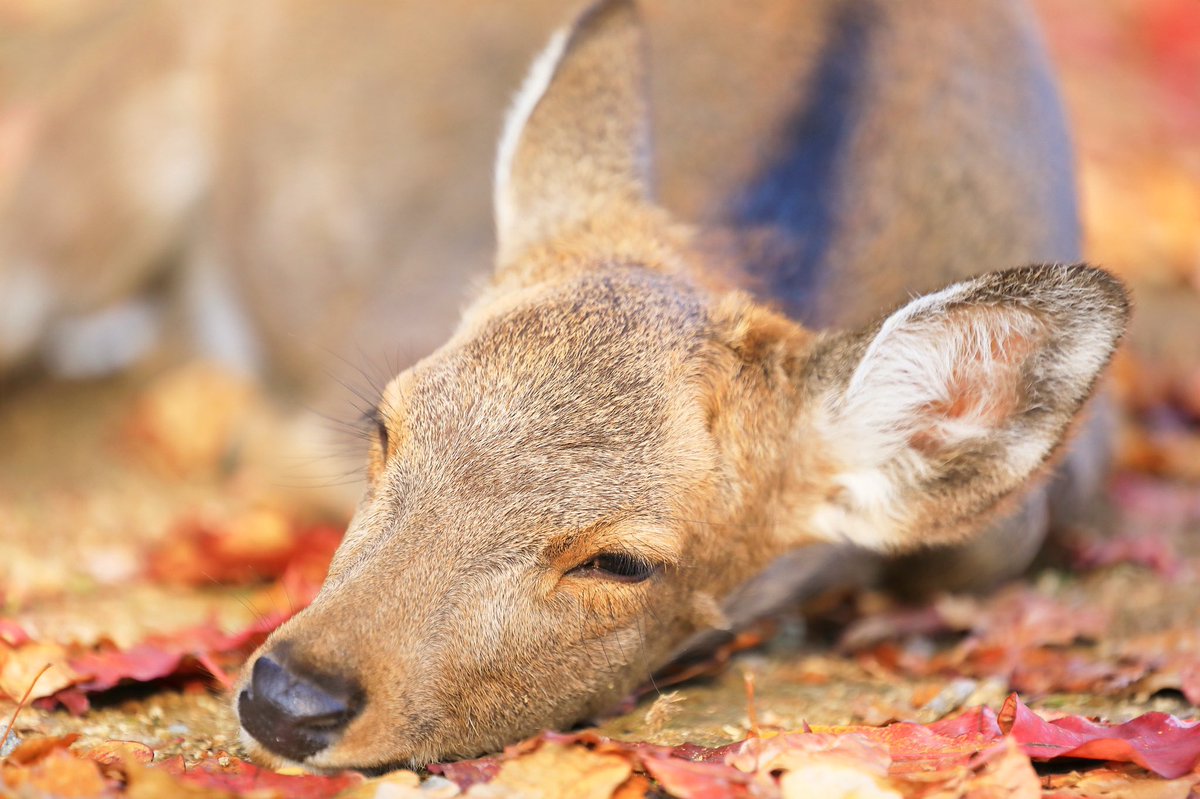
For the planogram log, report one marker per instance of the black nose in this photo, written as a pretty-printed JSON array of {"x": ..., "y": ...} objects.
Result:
[{"x": 292, "y": 713}]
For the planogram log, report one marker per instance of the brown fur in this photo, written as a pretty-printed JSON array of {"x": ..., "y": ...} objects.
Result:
[{"x": 609, "y": 392}]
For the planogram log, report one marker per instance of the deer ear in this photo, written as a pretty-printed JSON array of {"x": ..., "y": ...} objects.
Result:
[
  {"x": 577, "y": 139},
  {"x": 951, "y": 404}
]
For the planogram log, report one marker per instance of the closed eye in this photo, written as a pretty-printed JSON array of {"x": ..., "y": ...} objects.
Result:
[
  {"x": 373, "y": 419},
  {"x": 621, "y": 567},
  {"x": 382, "y": 432}
]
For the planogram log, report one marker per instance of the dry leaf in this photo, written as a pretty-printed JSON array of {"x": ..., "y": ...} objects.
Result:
[
  {"x": 1118, "y": 783},
  {"x": 666, "y": 706},
  {"x": 822, "y": 780},
  {"x": 19, "y": 666},
  {"x": 58, "y": 774},
  {"x": 557, "y": 772}
]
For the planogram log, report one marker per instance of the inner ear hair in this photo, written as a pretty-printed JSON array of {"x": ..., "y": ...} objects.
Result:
[{"x": 955, "y": 401}]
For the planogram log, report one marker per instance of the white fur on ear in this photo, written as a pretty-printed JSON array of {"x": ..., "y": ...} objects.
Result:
[
  {"x": 925, "y": 379},
  {"x": 536, "y": 82},
  {"x": 959, "y": 397},
  {"x": 918, "y": 363}
]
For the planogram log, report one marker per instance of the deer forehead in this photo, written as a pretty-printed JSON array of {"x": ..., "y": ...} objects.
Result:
[
  {"x": 564, "y": 410},
  {"x": 596, "y": 362}
]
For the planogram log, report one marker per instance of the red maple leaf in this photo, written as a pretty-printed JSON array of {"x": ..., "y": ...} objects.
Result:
[{"x": 1155, "y": 741}]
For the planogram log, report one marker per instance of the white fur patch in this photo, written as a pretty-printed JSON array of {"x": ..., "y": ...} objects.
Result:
[
  {"x": 864, "y": 515},
  {"x": 536, "y": 82}
]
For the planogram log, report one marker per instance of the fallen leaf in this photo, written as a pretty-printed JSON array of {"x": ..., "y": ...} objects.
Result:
[
  {"x": 1153, "y": 550},
  {"x": 554, "y": 771},
  {"x": 103, "y": 669},
  {"x": 1117, "y": 783},
  {"x": 978, "y": 723},
  {"x": 12, "y": 634},
  {"x": 814, "y": 764},
  {"x": 1051, "y": 670},
  {"x": 636, "y": 787},
  {"x": 972, "y": 754},
  {"x": 876, "y": 628},
  {"x": 926, "y": 748},
  {"x": 833, "y": 780},
  {"x": 695, "y": 772},
  {"x": 20, "y": 666},
  {"x": 146, "y": 782},
  {"x": 117, "y": 752},
  {"x": 1159, "y": 501},
  {"x": 468, "y": 773},
  {"x": 686, "y": 779},
  {"x": 403, "y": 785},
  {"x": 257, "y": 545},
  {"x": 1172, "y": 660},
  {"x": 79, "y": 671},
  {"x": 1002, "y": 772},
  {"x": 58, "y": 774},
  {"x": 1034, "y": 643},
  {"x": 34, "y": 749},
  {"x": 224, "y": 772},
  {"x": 1156, "y": 741},
  {"x": 711, "y": 660}
]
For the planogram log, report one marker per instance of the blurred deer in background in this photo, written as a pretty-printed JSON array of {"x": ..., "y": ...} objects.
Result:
[
  {"x": 252, "y": 184},
  {"x": 635, "y": 419}
]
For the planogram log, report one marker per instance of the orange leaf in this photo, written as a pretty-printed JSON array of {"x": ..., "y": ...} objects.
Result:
[{"x": 58, "y": 774}]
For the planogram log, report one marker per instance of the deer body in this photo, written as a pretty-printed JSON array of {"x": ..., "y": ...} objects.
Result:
[{"x": 631, "y": 422}]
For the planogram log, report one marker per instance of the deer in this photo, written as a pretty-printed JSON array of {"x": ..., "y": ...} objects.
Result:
[{"x": 885, "y": 344}]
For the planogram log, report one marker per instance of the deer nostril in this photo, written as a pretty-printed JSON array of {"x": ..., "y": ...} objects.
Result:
[{"x": 292, "y": 713}]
